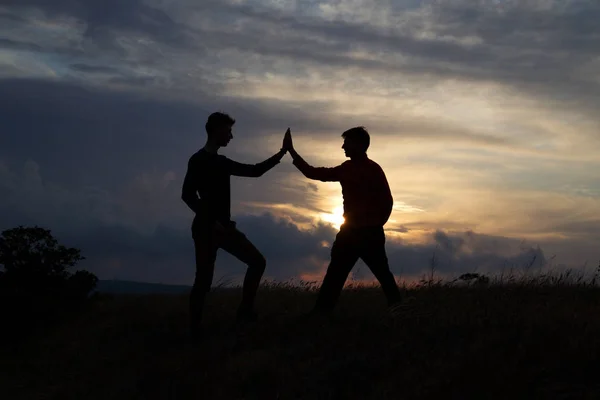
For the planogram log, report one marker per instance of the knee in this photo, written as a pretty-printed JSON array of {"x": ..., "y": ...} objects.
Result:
[{"x": 259, "y": 264}]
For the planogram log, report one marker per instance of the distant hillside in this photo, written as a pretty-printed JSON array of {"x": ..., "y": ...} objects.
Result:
[{"x": 132, "y": 287}]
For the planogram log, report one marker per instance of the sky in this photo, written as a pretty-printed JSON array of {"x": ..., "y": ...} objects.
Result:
[{"x": 483, "y": 115}]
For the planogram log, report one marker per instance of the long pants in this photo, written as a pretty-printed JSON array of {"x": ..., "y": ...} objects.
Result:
[
  {"x": 351, "y": 244},
  {"x": 206, "y": 243}
]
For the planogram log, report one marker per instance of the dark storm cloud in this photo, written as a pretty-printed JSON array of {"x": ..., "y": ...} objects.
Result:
[
  {"x": 449, "y": 262},
  {"x": 88, "y": 134},
  {"x": 342, "y": 36},
  {"x": 103, "y": 17},
  {"x": 571, "y": 25},
  {"x": 587, "y": 229},
  {"x": 136, "y": 80},
  {"x": 520, "y": 43},
  {"x": 103, "y": 226},
  {"x": 101, "y": 69},
  {"x": 167, "y": 255},
  {"x": 8, "y": 16},
  {"x": 94, "y": 137},
  {"x": 18, "y": 45},
  {"x": 532, "y": 48},
  {"x": 62, "y": 126}
]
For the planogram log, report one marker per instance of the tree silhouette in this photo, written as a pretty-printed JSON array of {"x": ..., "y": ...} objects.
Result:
[{"x": 36, "y": 285}]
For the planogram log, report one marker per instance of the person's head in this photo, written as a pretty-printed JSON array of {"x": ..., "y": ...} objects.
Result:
[
  {"x": 218, "y": 128},
  {"x": 356, "y": 141}
]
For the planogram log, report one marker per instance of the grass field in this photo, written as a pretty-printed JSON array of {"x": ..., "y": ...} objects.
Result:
[{"x": 501, "y": 341}]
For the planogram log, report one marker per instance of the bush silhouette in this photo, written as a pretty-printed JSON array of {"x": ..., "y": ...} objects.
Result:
[{"x": 36, "y": 286}]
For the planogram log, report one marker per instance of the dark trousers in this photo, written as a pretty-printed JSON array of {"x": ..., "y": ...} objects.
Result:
[
  {"x": 206, "y": 243},
  {"x": 351, "y": 244}
]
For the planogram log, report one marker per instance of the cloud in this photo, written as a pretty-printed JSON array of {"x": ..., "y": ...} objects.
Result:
[
  {"x": 166, "y": 255},
  {"x": 92, "y": 68},
  {"x": 516, "y": 43},
  {"x": 484, "y": 114},
  {"x": 102, "y": 18},
  {"x": 10, "y": 16},
  {"x": 232, "y": 48},
  {"x": 117, "y": 243},
  {"x": 520, "y": 43},
  {"x": 109, "y": 134},
  {"x": 17, "y": 45}
]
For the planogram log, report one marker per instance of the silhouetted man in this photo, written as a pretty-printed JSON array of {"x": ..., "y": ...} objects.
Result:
[
  {"x": 367, "y": 207},
  {"x": 206, "y": 190}
]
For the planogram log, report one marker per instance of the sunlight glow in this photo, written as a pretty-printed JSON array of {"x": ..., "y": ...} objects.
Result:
[{"x": 335, "y": 218}]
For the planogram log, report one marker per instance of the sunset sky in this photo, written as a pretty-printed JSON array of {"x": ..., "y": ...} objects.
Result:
[{"x": 485, "y": 116}]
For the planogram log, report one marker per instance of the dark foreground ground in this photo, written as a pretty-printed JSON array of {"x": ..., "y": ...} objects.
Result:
[{"x": 518, "y": 342}]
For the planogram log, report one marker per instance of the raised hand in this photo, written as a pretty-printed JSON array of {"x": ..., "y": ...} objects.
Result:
[{"x": 287, "y": 140}]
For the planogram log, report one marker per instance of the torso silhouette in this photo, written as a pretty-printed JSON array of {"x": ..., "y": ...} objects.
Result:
[
  {"x": 209, "y": 175},
  {"x": 367, "y": 197},
  {"x": 212, "y": 183}
]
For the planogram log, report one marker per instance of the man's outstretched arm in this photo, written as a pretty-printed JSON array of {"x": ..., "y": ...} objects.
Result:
[
  {"x": 317, "y": 173},
  {"x": 255, "y": 170}
]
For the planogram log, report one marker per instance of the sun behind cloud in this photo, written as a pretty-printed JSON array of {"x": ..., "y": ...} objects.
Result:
[{"x": 335, "y": 218}]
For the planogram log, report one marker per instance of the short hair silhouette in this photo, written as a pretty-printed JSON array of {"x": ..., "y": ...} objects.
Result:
[
  {"x": 217, "y": 120},
  {"x": 360, "y": 135}
]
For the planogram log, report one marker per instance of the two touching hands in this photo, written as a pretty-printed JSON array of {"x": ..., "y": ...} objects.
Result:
[
  {"x": 287, "y": 141},
  {"x": 287, "y": 146}
]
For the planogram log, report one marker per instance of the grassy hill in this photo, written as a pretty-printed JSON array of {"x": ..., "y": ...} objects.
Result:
[
  {"x": 517, "y": 341},
  {"x": 133, "y": 287}
]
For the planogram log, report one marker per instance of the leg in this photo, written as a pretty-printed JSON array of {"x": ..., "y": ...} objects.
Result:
[
  {"x": 373, "y": 254},
  {"x": 238, "y": 245},
  {"x": 206, "y": 254},
  {"x": 343, "y": 257}
]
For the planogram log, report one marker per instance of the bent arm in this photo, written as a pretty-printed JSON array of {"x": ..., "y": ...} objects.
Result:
[
  {"x": 189, "y": 193},
  {"x": 386, "y": 201},
  {"x": 255, "y": 170},
  {"x": 316, "y": 173}
]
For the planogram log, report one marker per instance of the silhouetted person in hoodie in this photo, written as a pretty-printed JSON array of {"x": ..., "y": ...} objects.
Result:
[
  {"x": 367, "y": 207},
  {"x": 206, "y": 190}
]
